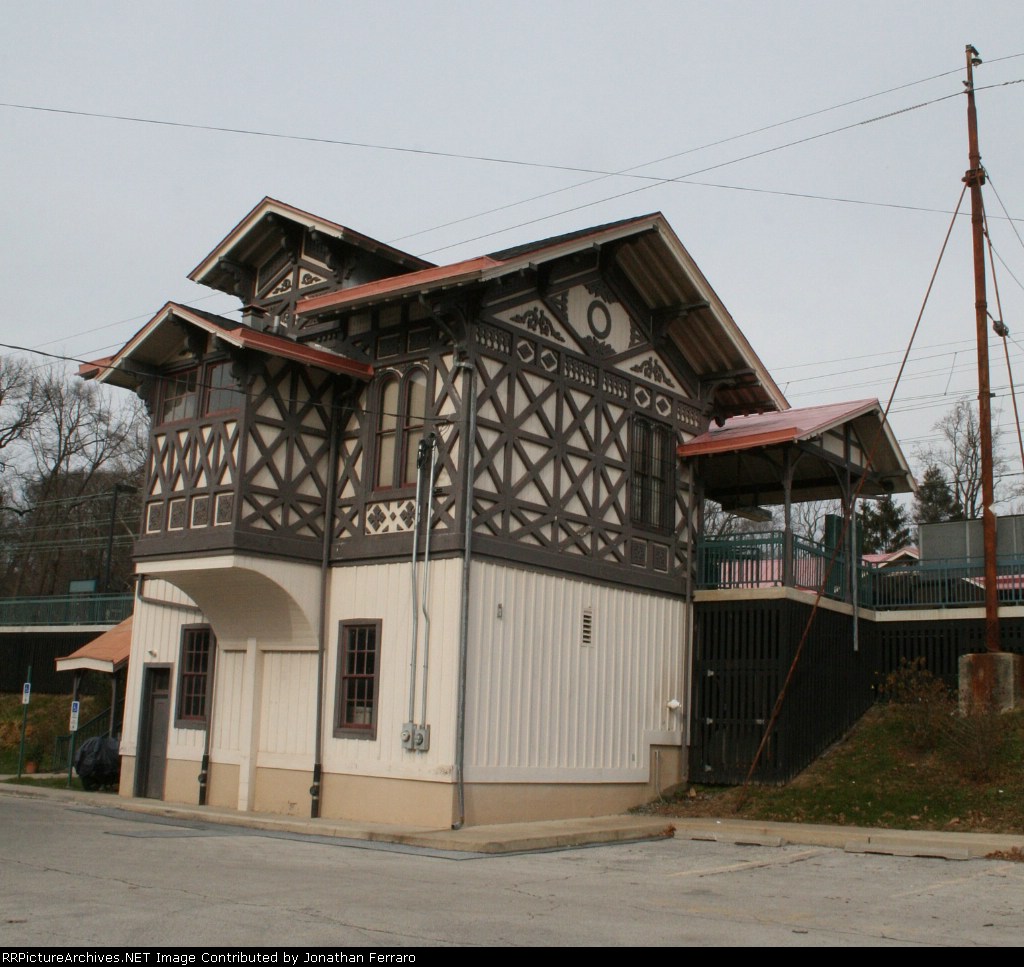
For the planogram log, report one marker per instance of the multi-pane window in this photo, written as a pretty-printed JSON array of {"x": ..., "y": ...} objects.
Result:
[
  {"x": 652, "y": 461},
  {"x": 358, "y": 674},
  {"x": 194, "y": 676},
  {"x": 400, "y": 425},
  {"x": 221, "y": 390},
  {"x": 179, "y": 396},
  {"x": 192, "y": 392}
]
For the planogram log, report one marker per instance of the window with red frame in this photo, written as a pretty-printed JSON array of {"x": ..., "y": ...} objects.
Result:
[
  {"x": 355, "y": 713},
  {"x": 197, "y": 643}
]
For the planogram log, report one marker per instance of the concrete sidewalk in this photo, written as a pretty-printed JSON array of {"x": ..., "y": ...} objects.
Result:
[{"x": 562, "y": 833}]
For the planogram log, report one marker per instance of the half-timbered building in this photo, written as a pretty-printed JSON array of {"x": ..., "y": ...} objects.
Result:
[{"x": 416, "y": 544}]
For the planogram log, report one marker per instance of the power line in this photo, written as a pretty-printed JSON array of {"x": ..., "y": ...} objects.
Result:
[
  {"x": 699, "y": 171},
  {"x": 678, "y": 154}
]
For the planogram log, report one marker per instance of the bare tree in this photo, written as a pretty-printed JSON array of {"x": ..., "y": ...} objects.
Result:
[
  {"x": 19, "y": 404},
  {"x": 958, "y": 456},
  {"x": 62, "y": 475},
  {"x": 808, "y": 517}
]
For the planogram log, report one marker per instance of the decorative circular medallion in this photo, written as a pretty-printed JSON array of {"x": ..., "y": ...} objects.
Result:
[{"x": 599, "y": 319}]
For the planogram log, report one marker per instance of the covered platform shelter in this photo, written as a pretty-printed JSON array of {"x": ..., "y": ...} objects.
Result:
[
  {"x": 795, "y": 455},
  {"x": 107, "y": 654}
]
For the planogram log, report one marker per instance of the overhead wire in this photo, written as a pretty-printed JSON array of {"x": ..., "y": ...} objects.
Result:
[
  {"x": 1000, "y": 328},
  {"x": 626, "y": 172},
  {"x": 672, "y": 157},
  {"x": 681, "y": 178}
]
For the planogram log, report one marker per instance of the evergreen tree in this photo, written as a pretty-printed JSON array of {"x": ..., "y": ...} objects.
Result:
[
  {"x": 935, "y": 502},
  {"x": 884, "y": 526}
]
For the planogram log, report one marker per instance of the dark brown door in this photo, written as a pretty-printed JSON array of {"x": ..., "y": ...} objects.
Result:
[{"x": 156, "y": 716}]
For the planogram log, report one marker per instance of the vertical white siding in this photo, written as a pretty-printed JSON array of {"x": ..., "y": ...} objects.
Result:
[
  {"x": 288, "y": 711},
  {"x": 156, "y": 639},
  {"x": 227, "y": 705},
  {"x": 543, "y": 705},
  {"x": 382, "y": 592}
]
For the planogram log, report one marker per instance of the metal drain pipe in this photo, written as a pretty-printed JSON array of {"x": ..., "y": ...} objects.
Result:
[
  {"x": 468, "y": 456},
  {"x": 410, "y": 723},
  {"x": 428, "y": 495}
]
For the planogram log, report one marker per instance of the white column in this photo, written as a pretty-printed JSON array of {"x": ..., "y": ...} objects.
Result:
[{"x": 249, "y": 740}]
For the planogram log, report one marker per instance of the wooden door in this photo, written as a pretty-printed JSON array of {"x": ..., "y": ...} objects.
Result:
[{"x": 153, "y": 731}]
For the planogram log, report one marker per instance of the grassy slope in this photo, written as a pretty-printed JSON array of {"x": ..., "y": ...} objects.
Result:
[
  {"x": 47, "y": 718},
  {"x": 879, "y": 775}
]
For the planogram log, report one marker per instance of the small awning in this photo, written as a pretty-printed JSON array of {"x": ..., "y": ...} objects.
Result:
[
  {"x": 108, "y": 653},
  {"x": 742, "y": 462}
]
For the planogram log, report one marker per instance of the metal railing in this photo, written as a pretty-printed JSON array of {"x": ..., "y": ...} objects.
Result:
[
  {"x": 68, "y": 609},
  {"x": 758, "y": 561},
  {"x": 99, "y": 724}
]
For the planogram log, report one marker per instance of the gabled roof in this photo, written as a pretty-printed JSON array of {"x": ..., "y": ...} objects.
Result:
[
  {"x": 250, "y": 232},
  {"x": 659, "y": 268},
  {"x": 154, "y": 342},
  {"x": 743, "y": 461},
  {"x": 107, "y": 653},
  {"x": 900, "y": 556}
]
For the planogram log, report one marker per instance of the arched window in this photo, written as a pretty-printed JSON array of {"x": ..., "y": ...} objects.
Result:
[
  {"x": 400, "y": 425},
  {"x": 652, "y": 480}
]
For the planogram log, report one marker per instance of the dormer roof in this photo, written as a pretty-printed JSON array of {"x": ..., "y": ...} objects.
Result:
[{"x": 261, "y": 230}]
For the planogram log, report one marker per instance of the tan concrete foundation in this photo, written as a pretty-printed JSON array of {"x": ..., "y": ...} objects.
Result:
[
  {"x": 377, "y": 800},
  {"x": 127, "y": 786},
  {"x": 222, "y": 785},
  {"x": 181, "y": 781},
  {"x": 283, "y": 791},
  {"x": 411, "y": 802}
]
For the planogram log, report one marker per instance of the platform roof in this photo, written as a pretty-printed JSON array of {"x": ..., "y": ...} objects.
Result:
[{"x": 742, "y": 462}]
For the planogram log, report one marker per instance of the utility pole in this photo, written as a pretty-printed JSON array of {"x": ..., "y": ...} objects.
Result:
[{"x": 974, "y": 179}]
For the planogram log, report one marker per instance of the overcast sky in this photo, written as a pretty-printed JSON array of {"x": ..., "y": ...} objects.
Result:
[{"x": 102, "y": 219}]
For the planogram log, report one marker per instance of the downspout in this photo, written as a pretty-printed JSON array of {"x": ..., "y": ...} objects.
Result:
[
  {"x": 692, "y": 534},
  {"x": 429, "y": 495},
  {"x": 334, "y": 428},
  {"x": 468, "y": 468},
  {"x": 409, "y": 729},
  {"x": 850, "y": 500},
  {"x": 204, "y": 770}
]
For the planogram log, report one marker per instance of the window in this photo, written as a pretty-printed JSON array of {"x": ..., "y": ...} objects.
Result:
[
  {"x": 179, "y": 396},
  {"x": 199, "y": 391},
  {"x": 355, "y": 713},
  {"x": 194, "y": 676},
  {"x": 652, "y": 482},
  {"x": 400, "y": 424},
  {"x": 221, "y": 389}
]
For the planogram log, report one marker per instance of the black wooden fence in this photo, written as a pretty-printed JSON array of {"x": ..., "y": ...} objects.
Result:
[{"x": 743, "y": 651}]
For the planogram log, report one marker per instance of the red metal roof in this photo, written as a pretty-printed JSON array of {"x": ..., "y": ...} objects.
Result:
[
  {"x": 766, "y": 429},
  {"x": 467, "y": 271},
  {"x": 472, "y": 269},
  {"x": 238, "y": 335},
  {"x": 107, "y": 653}
]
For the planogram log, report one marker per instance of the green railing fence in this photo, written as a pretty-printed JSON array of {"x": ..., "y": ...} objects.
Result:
[
  {"x": 67, "y": 609},
  {"x": 757, "y": 561}
]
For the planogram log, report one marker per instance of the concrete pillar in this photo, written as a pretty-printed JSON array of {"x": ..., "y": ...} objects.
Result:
[{"x": 992, "y": 681}]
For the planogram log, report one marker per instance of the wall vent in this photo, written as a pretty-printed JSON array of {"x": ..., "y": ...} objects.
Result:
[{"x": 587, "y": 631}]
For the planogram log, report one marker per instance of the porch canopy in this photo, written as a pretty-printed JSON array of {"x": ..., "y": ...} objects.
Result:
[
  {"x": 107, "y": 653},
  {"x": 811, "y": 453}
]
